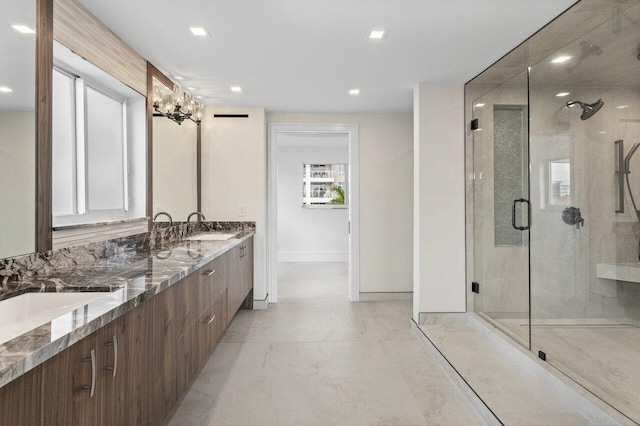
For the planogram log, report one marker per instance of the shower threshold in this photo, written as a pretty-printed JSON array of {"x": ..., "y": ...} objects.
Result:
[
  {"x": 502, "y": 373},
  {"x": 599, "y": 354}
]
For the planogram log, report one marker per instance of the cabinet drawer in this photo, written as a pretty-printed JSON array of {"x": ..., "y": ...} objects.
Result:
[{"x": 212, "y": 282}]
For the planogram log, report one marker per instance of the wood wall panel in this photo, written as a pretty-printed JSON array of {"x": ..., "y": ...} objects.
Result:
[{"x": 75, "y": 27}]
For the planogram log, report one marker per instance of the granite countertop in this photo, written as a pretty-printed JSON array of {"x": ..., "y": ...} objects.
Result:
[{"x": 126, "y": 280}]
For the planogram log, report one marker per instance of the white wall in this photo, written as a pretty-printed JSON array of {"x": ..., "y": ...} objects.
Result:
[
  {"x": 17, "y": 171},
  {"x": 386, "y": 170},
  {"x": 309, "y": 234},
  {"x": 175, "y": 168},
  {"x": 234, "y": 175},
  {"x": 439, "y": 191}
]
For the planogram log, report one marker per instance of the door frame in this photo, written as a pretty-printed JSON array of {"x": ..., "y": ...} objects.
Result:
[{"x": 272, "y": 200}]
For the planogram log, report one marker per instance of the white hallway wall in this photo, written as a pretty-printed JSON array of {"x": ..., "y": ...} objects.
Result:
[
  {"x": 386, "y": 195},
  {"x": 234, "y": 174},
  {"x": 439, "y": 202},
  {"x": 309, "y": 234}
]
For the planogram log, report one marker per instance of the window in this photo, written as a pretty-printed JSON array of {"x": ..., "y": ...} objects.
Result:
[
  {"x": 89, "y": 150},
  {"x": 324, "y": 185},
  {"x": 64, "y": 144},
  {"x": 560, "y": 183}
]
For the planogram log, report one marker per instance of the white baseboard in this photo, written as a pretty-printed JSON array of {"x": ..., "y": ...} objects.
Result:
[
  {"x": 313, "y": 257},
  {"x": 378, "y": 296},
  {"x": 260, "y": 304}
]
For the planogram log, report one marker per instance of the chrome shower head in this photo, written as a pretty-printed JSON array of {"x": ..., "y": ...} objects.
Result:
[{"x": 588, "y": 110}]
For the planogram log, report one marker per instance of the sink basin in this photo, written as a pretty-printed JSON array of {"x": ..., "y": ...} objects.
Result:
[
  {"x": 23, "y": 313},
  {"x": 211, "y": 237}
]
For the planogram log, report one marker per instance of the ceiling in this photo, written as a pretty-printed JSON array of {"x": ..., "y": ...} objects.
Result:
[{"x": 304, "y": 56}]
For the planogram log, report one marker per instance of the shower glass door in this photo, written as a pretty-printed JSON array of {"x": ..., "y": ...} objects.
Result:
[
  {"x": 585, "y": 285},
  {"x": 501, "y": 204}
]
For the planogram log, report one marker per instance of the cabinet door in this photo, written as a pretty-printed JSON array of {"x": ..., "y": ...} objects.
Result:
[
  {"x": 67, "y": 381},
  {"x": 220, "y": 311},
  {"x": 21, "y": 400},
  {"x": 114, "y": 372},
  {"x": 162, "y": 352},
  {"x": 186, "y": 354},
  {"x": 205, "y": 336},
  {"x": 247, "y": 269},
  {"x": 235, "y": 281},
  {"x": 134, "y": 363}
]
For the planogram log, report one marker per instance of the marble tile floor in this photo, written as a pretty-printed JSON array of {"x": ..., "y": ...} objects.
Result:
[
  {"x": 601, "y": 354},
  {"x": 315, "y": 358},
  {"x": 514, "y": 396}
]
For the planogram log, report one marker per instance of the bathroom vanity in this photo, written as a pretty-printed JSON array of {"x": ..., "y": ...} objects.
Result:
[{"x": 126, "y": 357}]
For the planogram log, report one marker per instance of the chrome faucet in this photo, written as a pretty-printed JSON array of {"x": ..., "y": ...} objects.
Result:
[
  {"x": 200, "y": 219},
  {"x": 165, "y": 214}
]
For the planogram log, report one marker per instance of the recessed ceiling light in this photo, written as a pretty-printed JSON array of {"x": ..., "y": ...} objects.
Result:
[
  {"x": 560, "y": 59},
  {"x": 199, "y": 31},
  {"x": 236, "y": 89},
  {"x": 5, "y": 89},
  {"x": 191, "y": 88},
  {"x": 376, "y": 34},
  {"x": 562, "y": 94},
  {"x": 602, "y": 133},
  {"x": 479, "y": 105},
  {"x": 354, "y": 92},
  {"x": 177, "y": 77},
  {"x": 623, "y": 106},
  {"x": 198, "y": 97},
  {"x": 23, "y": 29}
]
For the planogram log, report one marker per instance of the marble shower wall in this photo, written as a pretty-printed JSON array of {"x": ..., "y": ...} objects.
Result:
[
  {"x": 17, "y": 268},
  {"x": 563, "y": 258}
]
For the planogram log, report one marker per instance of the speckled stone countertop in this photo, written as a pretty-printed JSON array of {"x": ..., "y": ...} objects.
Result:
[{"x": 126, "y": 280}]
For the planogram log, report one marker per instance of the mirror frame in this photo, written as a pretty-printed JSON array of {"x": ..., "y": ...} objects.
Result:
[
  {"x": 44, "y": 125},
  {"x": 152, "y": 72}
]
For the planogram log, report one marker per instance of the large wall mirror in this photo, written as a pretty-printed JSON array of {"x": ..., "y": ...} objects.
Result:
[
  {"x": 17, "y": 127},
  {"x": 175, "y": 162}
]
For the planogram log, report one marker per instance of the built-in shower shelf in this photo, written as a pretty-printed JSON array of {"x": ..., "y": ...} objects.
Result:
[{"x": 629, "y": 272}]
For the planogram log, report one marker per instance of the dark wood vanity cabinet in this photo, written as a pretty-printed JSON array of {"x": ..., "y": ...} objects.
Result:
[
  {"x": 104, "y": 378},
  {"x": 21, "y": 400},
  {"x": 140, "y": 363}
]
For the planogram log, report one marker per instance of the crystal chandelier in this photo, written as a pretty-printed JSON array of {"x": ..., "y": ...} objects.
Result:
[{"x": 177, "y": 105}]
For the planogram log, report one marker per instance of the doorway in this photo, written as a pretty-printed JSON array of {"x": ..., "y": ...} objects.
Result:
[{"x": 313, "y": 200}]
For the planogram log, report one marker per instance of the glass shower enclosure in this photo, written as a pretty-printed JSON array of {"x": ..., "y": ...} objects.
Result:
[{"x": 555, "y": 189}]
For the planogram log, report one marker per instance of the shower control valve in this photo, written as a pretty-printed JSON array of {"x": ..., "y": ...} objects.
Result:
[{"x": 572, "y": 216}]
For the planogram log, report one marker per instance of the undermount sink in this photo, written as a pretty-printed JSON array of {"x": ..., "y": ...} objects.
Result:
[
  {"x": 211, "y": 237},
  {"x": 23, "y": 313}
]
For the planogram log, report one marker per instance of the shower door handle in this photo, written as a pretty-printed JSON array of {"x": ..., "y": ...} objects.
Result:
[{"x": 513, "y": 214}]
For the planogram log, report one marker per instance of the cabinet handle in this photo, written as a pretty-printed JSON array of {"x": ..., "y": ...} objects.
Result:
[
  {"x": 92, "y": 387},
  {"x": 211, "y": 320},
  {"x": 114, "y": 343},
  {"x": 209, "y": 273}
]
